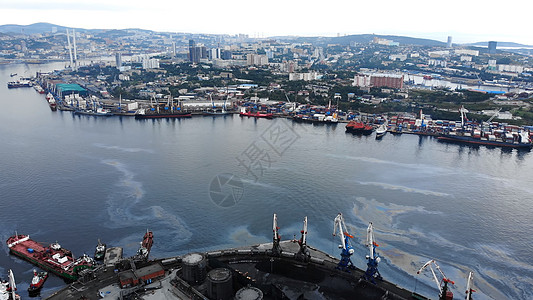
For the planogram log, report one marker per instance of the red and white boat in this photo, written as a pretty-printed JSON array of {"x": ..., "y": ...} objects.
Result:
[
  {"x": 37, "y": 281},
  {"x": 51, "y": 101}
]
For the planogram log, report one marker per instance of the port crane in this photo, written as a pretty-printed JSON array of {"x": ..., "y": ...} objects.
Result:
[
  {"x": 372, "y": 272},
  {"x": 346, "y": 249},
  {"x": 303, "y": 254},
  {"x": 442, "y": 285},
  {"x": 469, "y": 284},
  {"x": 276, "y": 248}
]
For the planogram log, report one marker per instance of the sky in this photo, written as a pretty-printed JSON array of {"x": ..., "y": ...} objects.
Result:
[{"x": 464, "y": 20}]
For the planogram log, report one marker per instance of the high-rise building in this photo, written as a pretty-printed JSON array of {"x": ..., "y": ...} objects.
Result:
[
  {"x": 192, "y": 52},
  {"x": 118, "y": 60},
  {"x": 492, "y": 47},
  {"x": 196, "y": 52},
  {"x": 449, "y": 43}
]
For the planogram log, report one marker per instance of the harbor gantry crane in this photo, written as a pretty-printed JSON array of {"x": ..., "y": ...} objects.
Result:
[
  {"x": 444, "y": 293},
  {"x": 276, "y": 248},
  {"x": 346, "y": 263},
  {"x": 372, "y": 272},
  {"x": 469, "y": 284},
  {"x": 303, "y": 254}
]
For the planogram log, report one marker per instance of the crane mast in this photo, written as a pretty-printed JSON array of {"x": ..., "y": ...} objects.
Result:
[
  {"x": 303, "y": 254},
  {"x": 276, "y": 248},
  {"x": 346, "y": 249},
  {"x": 373, "y": 258},
  {"x": 469, "y": 284},
  {"x": 444, "y": 293}
]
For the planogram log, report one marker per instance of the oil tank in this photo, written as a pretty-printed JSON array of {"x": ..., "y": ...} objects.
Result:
[
  {"x": 194, "y": 265},
  {"x": 219, "y": 284},
  {"x": 249, "y": 293}
]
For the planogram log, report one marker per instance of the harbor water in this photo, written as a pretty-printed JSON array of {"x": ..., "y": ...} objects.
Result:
[{"x": 208, "y": 183}]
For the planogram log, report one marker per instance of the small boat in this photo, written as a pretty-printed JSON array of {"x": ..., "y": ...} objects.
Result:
[
  {"x": 39, "y": 89},
  {"x": 381, "y": 131},
  {"x": 13, "y": 74},
  {"x": 99, "y": 252},
  {"x": 37, "y": 282}
]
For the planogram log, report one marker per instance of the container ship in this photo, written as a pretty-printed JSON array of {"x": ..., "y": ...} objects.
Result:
[
  {"x": 520, "y": 140},
  {"x": 156, "y": 114},
  {"x": 52, "y": 258}
]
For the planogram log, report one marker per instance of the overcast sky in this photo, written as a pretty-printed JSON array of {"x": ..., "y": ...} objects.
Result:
[{"x": 464, "y": 20}]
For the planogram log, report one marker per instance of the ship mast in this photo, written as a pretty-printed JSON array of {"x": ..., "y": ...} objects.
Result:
[{"x": 69, "y": 49}]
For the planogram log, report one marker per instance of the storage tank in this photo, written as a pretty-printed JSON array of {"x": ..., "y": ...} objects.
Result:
[
  {"x": 249, "y": 293},
  {"x": 219, "y": 284},
  {"x": 194, "y": 265}
]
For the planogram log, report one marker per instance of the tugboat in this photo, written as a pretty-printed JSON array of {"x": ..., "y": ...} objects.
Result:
[
  {"x": 99, "y": 252},
  {"x": 37, "y": 282}
]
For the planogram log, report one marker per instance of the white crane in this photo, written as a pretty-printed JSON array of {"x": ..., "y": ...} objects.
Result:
[
  {"x": 346, "y": 263},
  {"x": 293, "y": 104},
  {"x": 463, "y": 112},
  {"x": 303, "y": 253},
  {"x": 442, "y": 285},
  {"x": 276, "y": 248},
  {"x": 373, "y": 258},
  {"x": 469, "y": 284}
]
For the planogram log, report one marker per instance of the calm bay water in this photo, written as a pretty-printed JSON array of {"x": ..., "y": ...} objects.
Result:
[{"x": 75, "y": 179}]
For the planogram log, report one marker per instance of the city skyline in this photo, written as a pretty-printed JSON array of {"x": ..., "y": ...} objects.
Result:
[{"x": 466, "y": 22}]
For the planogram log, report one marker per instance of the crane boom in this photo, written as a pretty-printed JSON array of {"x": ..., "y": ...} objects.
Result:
[
  {"x": 442, "y": 285},
  {"x": 303, "y": 253},
  {"x": 373, "y": 258},
  {"x": 469, "y": 284},
  {"x": 346, "y": 263},
  {"x": 276, "y": 248}
]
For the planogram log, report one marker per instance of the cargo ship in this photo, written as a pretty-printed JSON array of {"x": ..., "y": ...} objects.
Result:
[
  {"x": 153, "y": 114},
  {"x": 520, "y": 141},
  {"x": 52, "y": 258},
  {"x": 18, "y": 84},
  {"x": 358, "y": 127},
  {"x": 257, "y": 114}
]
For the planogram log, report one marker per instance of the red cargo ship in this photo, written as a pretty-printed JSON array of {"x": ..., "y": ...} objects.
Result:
[
  {"x": 257, "y": 114},
  {"x": 52, "y": 258}
]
